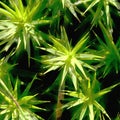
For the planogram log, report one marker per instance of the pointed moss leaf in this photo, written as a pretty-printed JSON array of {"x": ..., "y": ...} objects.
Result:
[
  {"x": 101, "y": 109},
  {"x": 83, "y": 111},
  {"x": 26, "y": 91},
  {"x": 88, "y": 56},
  {"x": 79, "y": 65},
  {"x": 17, "y": 10},
  {"x": 74, "y": 94},
  {"x": 2, "y": 112},
  {"x": 97, "y": 14},
  {"x": 71, "y": 7},
  {"x": 41, "y": 22},
  {"x": 64, "y": 73},
  {"x": 21, "y": 7},
  {"x": 91, "y": 113},
  {"x": 91, "y": 5},
  {"x": 80, "y": 44},
  {"x": 6, "y": 99},
  {"x": 115, "y": 3},
  {"x": 63, "y": 3},
  {"x": 51, "y": 69},
  {"x": 34, "y": 10},
  {"x": 59, "y": 45},
  {"x": 106, "y": 90},
  {"x": 8, "y": 8},
  {"x": 4, "y": 89},
  {"x": 78, "y": 102},
  {"x": 73, "y": 77},
  {"x": 37, "y": 108},
  {"x": 26, "y": 99},
  {"x": 5, "y": 12},
  {"x": 17, "y": 85},
  {"x": 64, "y": 38}
]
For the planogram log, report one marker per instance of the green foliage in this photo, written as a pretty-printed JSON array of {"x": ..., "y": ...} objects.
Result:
[
  {"x": 72, "y": 48},
  {"x": 70, "y": 60},
  {"x": 102, "y": 11},
  {"x": 14, "y": 104},
  {"x": 19, "y": 25},
  {"x": 88, "y": 98},
  {"x": 111, "y": 51}
]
